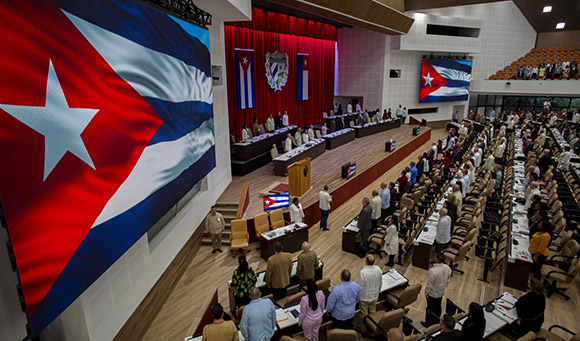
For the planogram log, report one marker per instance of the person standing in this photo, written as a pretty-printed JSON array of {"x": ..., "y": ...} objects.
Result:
[
  {"x": 458, "y": 197},
  {"x": 278, "y": 271},
  {"x": 214, "y": 225},
  {"x": 437, "y": 280},
  {"x": 385, "y": 201},
  {"x": 342, "y": 302},
  {"x": 539, "y": 246},
  {"x": 324, "y": 201},
  {"x": 270, "y": 126},
  {"x": 455, "y": 116},
  {"x": 296, "y": 211},
  {"x": 358, "y": 107},
  {"x": 564, "y": 159},
  {"x": 443, "y": 235},
  {"x": 220, "y": 329},
  {"x": 323, "y": 129},
  {"x": 285, "y": 119},
  {"x": 391, "y": 246},
  {"x": 349, "y": 108},
  {"x": 403, "y": 182},
  {"x": 288, "y": 143},
  {"x": 364, "y": 222},
  {"x": 376, "y": 203},
  {"x": 370, "y": 279},
  {"x": 307, "y": 264},
  {"x": 256, "y": 127},
  {"x": 530, "y": 309},
  {"x": 298, "y": 137},
  {"x": 413, "y": 174},
  {"x": 394, "y": 193},
  {"x": 278, "y": 121},
  {"x": 404, "y": 115},
  {"x": 246, "y": 133},
  {"x": 400, "y": 112},
  {"x": 243, "y": 280},
  {"x": 311, "y": 311},
  {"x": 258, "y": 318}
]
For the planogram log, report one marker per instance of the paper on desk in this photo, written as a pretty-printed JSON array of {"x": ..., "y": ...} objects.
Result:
[{"x": 281, "y": 315}]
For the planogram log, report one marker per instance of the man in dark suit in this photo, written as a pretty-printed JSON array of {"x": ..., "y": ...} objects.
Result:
[
  {"x": 341, "y": 124},
  {"x": 278, "y": 121},
  {"x": 364, "y": 222},
  {"x": 448, "y": 332},
  {"x": 420, "y": 167}
]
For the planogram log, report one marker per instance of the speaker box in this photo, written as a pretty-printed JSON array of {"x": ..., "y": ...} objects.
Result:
[
  {"x": 416, "y": 131},
  {"x": 423, "y": 122},
  {"x": 388, "y": 146}
]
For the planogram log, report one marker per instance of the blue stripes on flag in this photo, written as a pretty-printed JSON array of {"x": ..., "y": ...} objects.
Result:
[
  {"x": 302, "y": 77},
  {"x": 245, "y": 82},
  {"x": 276, "y": 201}
]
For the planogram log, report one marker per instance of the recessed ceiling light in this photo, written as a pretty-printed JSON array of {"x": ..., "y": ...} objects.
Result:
[
  {"x": 560, "y": 25},
  {"x": 547, "y": 9}
]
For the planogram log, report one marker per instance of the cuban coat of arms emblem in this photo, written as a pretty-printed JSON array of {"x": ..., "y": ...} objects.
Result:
[{"x": 277, "y": 69}]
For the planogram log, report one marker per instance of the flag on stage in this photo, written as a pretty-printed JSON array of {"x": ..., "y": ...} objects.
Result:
[
  {"x": 245, "y": 78},
  {"x": 276, "y": 201},
  {"x": 445, "y": 80},
  {"x": 302, "y": 76},
  {"x": 106, "y": 122}
]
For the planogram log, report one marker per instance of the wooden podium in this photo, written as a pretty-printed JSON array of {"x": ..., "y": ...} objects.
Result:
[{"x": 299, "y": 177}]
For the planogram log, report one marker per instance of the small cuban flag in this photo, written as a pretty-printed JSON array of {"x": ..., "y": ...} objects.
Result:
[
  {"x": 276, "y": 201},
  {"x": 245, "y": 82},
  {"x": 302, "y": 76}
]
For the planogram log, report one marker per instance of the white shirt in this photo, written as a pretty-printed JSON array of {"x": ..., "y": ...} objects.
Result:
[
  {"x": 245, "y": 134},
  {"x": 296, "y": 213},
  {"x": 477, "y": 159},
  {"x": 323, "y": 130},
  {"x": 358, "y": 108},
  {"x": 376, "y": 206},
  {"x": 404, "y": 113},
  {"x": 535, "y": 191},
  {"x": 443, "y": 235},
  {"x": 285, "y": 120},
  {"x": 324, "y": 200},
  {"x": 437, "y": 279},
  {"x": 304, "y": 137},
  {"x": 434, "y": 149},
  {"x": 576, "y": 117},
  {"x": 391, "y": 240},
  {"x": 553, "y": 120},
  {"x": 370, "y": 280},
  {"x": 425, "y": 165},
  {"x": 399, "y": 111},
  {"x": 310, "y": 134},
  {"x": 463, "y": 130},
  {"x": 287, "y": 145},
  {"x": 349, "y": 108},
  {"x": 564, "y": 160},
  {"x": 511, "y": 124}
]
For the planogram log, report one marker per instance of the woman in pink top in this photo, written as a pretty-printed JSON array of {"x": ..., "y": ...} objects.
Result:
[{"x": 311, "y": 311}]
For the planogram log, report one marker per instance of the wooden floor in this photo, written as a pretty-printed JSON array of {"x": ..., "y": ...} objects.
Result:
[
  {"x": 366, "y": 152},
  {"x": 182, "y": 311}
]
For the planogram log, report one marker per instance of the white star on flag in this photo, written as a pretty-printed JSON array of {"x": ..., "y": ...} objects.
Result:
[
  {"x": 245, "y": 60},
  {"x": 305, "y": 62},
  {"x": 60, "y": 125},
  {"x": 267, "y": 202},
  {"x": 428, "y": 79}
]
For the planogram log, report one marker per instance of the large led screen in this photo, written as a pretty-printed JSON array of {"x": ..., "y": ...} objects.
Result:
[
  {"x": 106, "y": 121},
  {"x": 444, "y": 80}
]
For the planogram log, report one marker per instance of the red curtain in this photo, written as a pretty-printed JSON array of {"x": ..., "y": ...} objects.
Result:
[{"x": 321, "y": 75}]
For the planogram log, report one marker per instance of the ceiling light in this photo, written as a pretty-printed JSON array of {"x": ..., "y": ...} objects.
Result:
[
  {"x": 547, "y": 9},
  {"x": 560, "y": 25}
]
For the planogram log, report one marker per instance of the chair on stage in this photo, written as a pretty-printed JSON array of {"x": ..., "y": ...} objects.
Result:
[
  {"x": 318, "y": 134},
  {"x": 324, "y": 115},
  {"x": 379, "y": 323},
  {"x": 274, "y": 151},
  {"x": 403, "y": 297},
  {"x": 239, "y": 238},
  {"x": 352, "y": 124},
  {"x": 454, "y": 256},
  {"x": 261, "y": 224},
  {"x": 342, "y": 335},
  {"x": 277, "y": 219},
  {"x": 554, "y": 275}
]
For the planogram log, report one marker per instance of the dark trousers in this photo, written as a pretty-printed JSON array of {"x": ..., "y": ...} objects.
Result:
[
  {"x": 440, "y": 247},
  {"x": 324, "y": 218},
  {"x": 384, "y": 214},
  {"x": 433, "y": 312},
  {"x": 391, "y": 260},
  {"x": 244, "y": 300},
  {"x": 365, "y": 238},
  {"x": 538, "y": 266},
  {"x": 340, "y": 324},
  {"x": 279, "y": 293}
]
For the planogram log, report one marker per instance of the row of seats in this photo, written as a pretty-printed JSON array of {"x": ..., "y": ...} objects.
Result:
[{"x": 240, "y": 238}]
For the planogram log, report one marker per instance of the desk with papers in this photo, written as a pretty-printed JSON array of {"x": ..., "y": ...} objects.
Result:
[
  {"x": 257, "y": 145},
  {"x": 338, "y": 138},
  {"x": 291, "y": 236},
  {"x": 310, "y": 149},
  {"x": 376, "y": 127}
]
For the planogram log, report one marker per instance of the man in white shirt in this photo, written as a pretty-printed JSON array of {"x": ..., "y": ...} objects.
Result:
[
  {"x": 270, "y": 126},
  {"x": 499, "y": 150},
  {"x": 349, "y": 108},
  {"x": 358, "y": 108},
  {"x": 310, "y": 133},
  {"x": 399, "y": 111},
  {"x": 370, "y": 280},
  {"x": 324, "y": 201},
  {"x": 443, "y": 235},
  {"x": 296, "y": 211},
  {"x": 298, "y": 137},
  {"x": 534, "y": 190},
  {"x": 463, "y": 185},
  {"x": 553, "y": 119},
  {"x": 288, "y": 143},
  {"x": 404, "y": 115},
  {"x": 385, "y": 201},
  {"x": 576, "y": 117},
  {"x": 324, "y": 129},
  {"x": 477, "y": 158},
  {"x": 437, "y": 280},
  {"x": 564, "y": 159},
  {"x": 305, "y": 137},
  {"x": 434, "y": 149},
  {"x": 285, "y": 119},
  {"x": 376, "y": 215}
]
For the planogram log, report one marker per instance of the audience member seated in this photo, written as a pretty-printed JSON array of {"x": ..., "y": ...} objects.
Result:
[
  {"x": 474, "y": 326},
  {"x": 220, "y": 329},
  {"x": 448, "y": 331}
]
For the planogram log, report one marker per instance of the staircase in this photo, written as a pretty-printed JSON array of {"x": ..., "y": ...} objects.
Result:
[{"x": 228, "y": 210}]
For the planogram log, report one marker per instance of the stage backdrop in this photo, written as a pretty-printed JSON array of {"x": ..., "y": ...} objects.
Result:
[
  {"x": 267, "y": 32},
  {"x": 106, "y": 121}
]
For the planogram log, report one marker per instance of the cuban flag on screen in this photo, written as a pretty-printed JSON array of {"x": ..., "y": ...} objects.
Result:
[
  {"x": 272, "y": 202},
  {"x": 106, "y": 121},
  {"x": 302, "y": 76},
  {"x": 445, "y": 80},
  {"x": 245, "y": 82}
]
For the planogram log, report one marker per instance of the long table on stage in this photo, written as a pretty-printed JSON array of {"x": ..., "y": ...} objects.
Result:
[
  {"x": 376, "y": 127},
  {"x": 338, "y": 138},
  {"x": 258, "y": 145},
  {"x": 310, "y": 149},
  {"x": 291, "y": 237}
]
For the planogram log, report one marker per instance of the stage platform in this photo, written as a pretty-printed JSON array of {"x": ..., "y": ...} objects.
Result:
[{"x": 371, "y": 161}]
